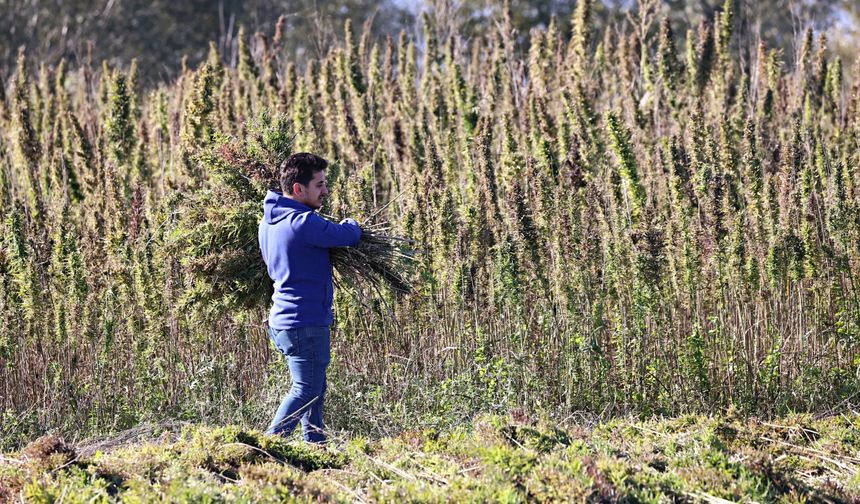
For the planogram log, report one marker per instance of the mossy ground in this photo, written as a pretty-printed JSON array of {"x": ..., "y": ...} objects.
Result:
[{"x": 493, "y": 459}]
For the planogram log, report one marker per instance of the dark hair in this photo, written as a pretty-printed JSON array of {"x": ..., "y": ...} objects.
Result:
[{"x": 300, "y": 167}]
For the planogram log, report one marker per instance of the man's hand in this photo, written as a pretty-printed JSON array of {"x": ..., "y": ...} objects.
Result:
[{"x": 352, "y": 222}]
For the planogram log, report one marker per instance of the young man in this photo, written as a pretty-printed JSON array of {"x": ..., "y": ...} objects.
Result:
[{"x": 295, "y": 244}]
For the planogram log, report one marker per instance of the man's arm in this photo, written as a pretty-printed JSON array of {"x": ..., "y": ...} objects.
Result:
[{"x": 326, "y": 234}]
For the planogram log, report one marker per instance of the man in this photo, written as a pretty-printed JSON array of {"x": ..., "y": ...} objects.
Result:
[{"x": 295, "y": 244}]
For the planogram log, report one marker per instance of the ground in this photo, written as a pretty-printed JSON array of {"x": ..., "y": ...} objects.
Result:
[{"x": 797, "y": 458}]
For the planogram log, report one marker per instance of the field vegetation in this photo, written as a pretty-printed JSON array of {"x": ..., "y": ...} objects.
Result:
[{"x": 623, "y": 221}]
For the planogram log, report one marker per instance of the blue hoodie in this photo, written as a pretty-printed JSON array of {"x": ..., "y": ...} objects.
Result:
[{"x": 294, "y": 241}]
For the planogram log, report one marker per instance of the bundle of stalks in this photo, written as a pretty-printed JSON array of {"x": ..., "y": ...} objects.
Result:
[{"x": 378, "y": 260}]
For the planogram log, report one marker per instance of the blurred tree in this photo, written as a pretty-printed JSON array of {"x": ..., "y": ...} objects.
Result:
[
  {"x": 159, "y": 32},
  {"x": 846, "y": 36}
]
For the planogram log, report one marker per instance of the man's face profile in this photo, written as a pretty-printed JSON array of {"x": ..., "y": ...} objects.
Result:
[{"x": 312, "y": 194}]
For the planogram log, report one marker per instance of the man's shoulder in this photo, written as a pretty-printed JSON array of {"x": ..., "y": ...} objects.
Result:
[{"x": 305, "y": 220}]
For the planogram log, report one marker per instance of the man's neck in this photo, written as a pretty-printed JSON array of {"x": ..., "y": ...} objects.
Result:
[{"x": 297, "y": 200}]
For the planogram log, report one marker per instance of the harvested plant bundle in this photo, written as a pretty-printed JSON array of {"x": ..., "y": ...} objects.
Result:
[
  {"x": 212, "y": 231},
  {"x": 377, "y": 260}
]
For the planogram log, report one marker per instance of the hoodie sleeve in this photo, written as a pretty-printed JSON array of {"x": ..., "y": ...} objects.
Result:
[{"x": 323, "y": 233}]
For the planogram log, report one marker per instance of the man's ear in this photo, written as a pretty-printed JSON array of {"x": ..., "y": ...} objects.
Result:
[{"x": 297, "y": 188}]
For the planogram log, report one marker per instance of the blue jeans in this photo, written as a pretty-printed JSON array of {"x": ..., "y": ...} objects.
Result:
[{"x": 308, "y": 352}]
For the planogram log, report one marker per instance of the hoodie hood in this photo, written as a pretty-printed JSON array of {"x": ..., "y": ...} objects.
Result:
[{"x": 276, "y": 207}]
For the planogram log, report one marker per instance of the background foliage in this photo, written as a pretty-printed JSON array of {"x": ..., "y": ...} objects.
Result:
[
  {"x": 157, "y": 32},
  {"x": 618, "y": 219}
]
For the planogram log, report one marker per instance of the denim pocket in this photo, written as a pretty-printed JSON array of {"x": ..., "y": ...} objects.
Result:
[
  {"x": 287, "y": 341},
  {"x": 318, "y": 341}
]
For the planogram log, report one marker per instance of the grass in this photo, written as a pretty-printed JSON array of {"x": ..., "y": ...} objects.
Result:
[{"x": 512, "y": 458}]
